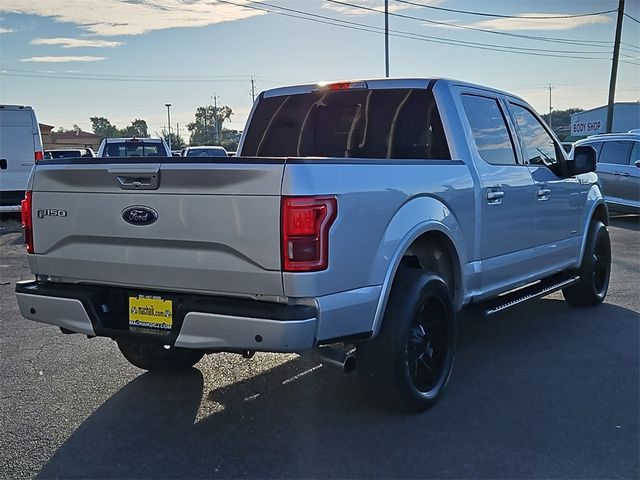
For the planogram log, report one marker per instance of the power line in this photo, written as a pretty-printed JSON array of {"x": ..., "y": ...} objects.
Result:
[
  {"x": 632, "y": 18},
  {"x": 414, "y": 36},
  {"x": 495, "y": 15},
  {"x": 484, "y": 30}
]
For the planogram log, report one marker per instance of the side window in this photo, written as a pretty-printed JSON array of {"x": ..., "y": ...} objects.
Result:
[
  {"x": 489, "y": 129},
  {"x": 615, "y": 152},
  {"x": 635, "y": 154},
  {"x": 540, "y": 149}
]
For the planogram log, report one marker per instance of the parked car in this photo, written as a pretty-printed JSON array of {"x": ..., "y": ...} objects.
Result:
[
  {"x": 69, "y": 153},
  {"x": 618, "y": 168},
  {"x": 20, "y": 148},
  {"x": 365, "y": 213},
  {"x": 204, "y": 151},
  {"x": 133, "y": 147}
]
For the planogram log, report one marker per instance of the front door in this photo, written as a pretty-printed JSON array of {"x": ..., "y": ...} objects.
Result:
[{"x": 557, "y": 204}]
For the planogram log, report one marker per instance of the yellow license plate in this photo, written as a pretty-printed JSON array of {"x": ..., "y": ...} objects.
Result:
[{"x": 150, "y": 311}]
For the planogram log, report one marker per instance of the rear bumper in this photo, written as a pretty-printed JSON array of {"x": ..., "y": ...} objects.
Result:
[{"x": 204, "y": 322}]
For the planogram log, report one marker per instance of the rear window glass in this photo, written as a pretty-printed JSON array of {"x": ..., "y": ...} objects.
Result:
[
  {"x": 393, "y": 123},
  {"x": 206, "y": 152},
  {"x": 66, "y": 154},
  {"x": 134, "y": 149}
]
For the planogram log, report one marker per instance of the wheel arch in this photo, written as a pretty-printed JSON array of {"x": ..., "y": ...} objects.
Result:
[
  {"x": 440, "y": 231},
  {"x": 596, "y": 209}
]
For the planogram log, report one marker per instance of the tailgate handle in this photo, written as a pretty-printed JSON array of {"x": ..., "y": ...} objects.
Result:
[{"x": 129, "y": 179}]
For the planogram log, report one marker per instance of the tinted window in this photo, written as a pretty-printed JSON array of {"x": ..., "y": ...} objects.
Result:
[
  {"x": 540, "y": 149},
  {"x": 206, "y": 152},
  {"x": 66, "y": 154},
  {"x": 394, "y": 123},
  {"x": 635, "y": 154},
  {"x": 616, "y": 153},
  {"x": 134, "y": 149},
  {"x": 489, "y": 130}
]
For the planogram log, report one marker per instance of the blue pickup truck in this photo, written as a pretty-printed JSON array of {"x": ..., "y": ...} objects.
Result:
[{"x": 357, "y": 220}]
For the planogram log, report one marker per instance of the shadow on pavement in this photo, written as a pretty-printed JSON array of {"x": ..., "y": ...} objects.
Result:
[
  {"x": 534, "y": 393},
  {"x": 629, "y": 222}
]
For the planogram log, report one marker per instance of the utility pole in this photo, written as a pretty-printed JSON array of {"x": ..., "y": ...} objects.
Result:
[
  {"x": 205, "y": 125},
  {"x": 168, "y": 105},
  {"x": 614, "y": 67},
  {"x": 253, "y": 90},
  {"x": 550, "y": 108},
  {"x": 215, "y": 118},
  {"x": 177, "y": 130},
  {"x": 386, "y": 38}
]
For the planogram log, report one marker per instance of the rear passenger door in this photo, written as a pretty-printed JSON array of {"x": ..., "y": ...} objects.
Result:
[
  {"x": 613, "y": 166},
  {"x": 557, "y": 198},
  {"x": 506, "y": 223}
]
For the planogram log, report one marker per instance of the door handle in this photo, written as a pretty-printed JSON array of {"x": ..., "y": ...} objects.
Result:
[
  {"x": 543, "y": 193},
  {"x": 623, "y": 174},
  {"x": 494, "y": 196},
  {"x": 137, "y": 178}
]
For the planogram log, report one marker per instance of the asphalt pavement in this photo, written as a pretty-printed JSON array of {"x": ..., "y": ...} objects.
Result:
[{"x": 543, "y": 390}]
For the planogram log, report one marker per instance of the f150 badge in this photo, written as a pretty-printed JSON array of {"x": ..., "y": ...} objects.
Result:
[
  {"x": 51, "y": 212},
  {"x": 139, "y": 215}
]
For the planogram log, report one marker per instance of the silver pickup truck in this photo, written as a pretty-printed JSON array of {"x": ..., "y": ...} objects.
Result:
[{"x": 358, "y": 216}]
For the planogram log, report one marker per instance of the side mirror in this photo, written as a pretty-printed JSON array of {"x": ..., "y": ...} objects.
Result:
[
  {"x": 584, "y": 160},
  {"x": 638, "y": 163}
]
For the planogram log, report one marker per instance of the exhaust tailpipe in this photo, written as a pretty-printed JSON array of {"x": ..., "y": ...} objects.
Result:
[{"x": 346, "y": 361}]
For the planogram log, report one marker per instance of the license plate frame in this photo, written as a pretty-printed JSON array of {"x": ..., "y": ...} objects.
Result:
[{"x": 150, "y": 312}]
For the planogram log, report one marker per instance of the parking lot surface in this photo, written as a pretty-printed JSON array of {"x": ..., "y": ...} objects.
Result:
[{"x": 543, "y": 390}]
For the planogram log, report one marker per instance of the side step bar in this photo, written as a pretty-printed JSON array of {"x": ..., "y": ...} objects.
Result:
[{"x": 539, "y": 289}]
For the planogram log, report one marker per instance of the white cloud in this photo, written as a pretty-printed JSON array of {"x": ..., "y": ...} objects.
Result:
[
  {"x": 6, "y": 30},
  {"x": 375, "y": 4},
  {"x": 75, "y": 42},
  {"x": 126, "y": 17},
  {"x": 531, "y": 21},
  {"x": 62, "y": 59}
]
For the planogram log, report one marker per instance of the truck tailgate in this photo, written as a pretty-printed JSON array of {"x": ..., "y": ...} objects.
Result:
[{"x": 217, "y": 227}]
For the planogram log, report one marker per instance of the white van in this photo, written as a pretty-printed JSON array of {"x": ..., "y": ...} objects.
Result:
[{"x": 20, "y": 148}]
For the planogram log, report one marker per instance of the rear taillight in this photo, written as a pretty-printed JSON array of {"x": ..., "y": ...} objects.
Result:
[
  {"x": 27, "y": 224},
  {"x": 38, "y": 156},
  {"x": 305, "y": 232}
]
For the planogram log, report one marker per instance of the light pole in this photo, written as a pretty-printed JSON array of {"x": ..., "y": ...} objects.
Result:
[{"x": 168, "y": 105}]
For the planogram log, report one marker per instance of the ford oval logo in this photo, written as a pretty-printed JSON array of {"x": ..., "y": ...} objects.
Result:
[{"x": 139, "y": 215}]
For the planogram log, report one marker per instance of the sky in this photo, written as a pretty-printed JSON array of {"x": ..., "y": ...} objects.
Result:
[{"x": 125, "y": 59}]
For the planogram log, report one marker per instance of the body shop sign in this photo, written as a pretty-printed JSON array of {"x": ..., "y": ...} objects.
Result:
[{"x": 586, "y": 127}]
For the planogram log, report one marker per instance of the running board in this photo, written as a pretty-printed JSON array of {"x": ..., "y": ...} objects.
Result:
[{"x": 516, "y": 297}]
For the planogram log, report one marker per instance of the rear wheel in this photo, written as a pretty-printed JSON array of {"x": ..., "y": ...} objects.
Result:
[
  {"x": 157, "y": 358},
  {"x": 594, "y": 271},
  {"x": 410, "y": 361}
]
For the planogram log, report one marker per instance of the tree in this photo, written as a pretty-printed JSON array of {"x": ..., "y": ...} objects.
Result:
[
  {"x": 561, "y": 121},
  {"x": 101, "y": 126},
  {"x": 138, "y": 128},
  {"x": 207, "y": 127},
  {"x": 177, "y": 142},
  {"x": 75, "y": 129}
]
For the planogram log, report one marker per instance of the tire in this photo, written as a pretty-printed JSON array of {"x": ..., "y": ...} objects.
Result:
[
  {"x": 594, "y": 271},
  {"x": 156, "y": 358},
  {"x": 409, "y": 363}
]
